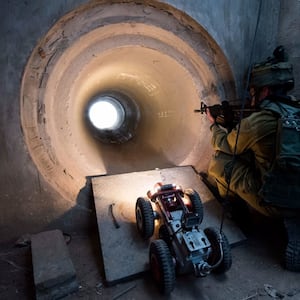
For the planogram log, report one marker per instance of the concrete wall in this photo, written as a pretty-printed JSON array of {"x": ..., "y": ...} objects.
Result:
[
  {"x": 232, "y": 24},
  {"x": 27, "y": 202},
  {"x": 288, "y": 36}
]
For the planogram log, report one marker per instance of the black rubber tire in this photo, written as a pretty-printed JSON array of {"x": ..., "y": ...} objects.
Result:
[
  {"x": 292, "y": 256},
  {"x": 197, "y": 206},
  {"x": 164, "y": 234},
  {"x": 213, "y": 235},
  {"x": 162, "y": 266},
  {"x": 144, "y": 217}
]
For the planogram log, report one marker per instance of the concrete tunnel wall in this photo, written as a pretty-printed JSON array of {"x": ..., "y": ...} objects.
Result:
[{"x": 167, "y": 55}]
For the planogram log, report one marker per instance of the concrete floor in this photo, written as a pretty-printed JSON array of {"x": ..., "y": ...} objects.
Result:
[{"x": 256, "y": 263}]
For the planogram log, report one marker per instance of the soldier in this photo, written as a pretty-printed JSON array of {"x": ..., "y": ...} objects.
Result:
[{"x": 245, "y": 156}]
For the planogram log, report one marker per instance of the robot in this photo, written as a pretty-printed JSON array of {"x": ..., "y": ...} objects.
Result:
[{"x": 182, "y": 246}]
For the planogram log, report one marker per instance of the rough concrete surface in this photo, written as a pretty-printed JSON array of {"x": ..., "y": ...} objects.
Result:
[
  {"x": 53, "y": 269},
  {"x": 256, "y": 264},
  {"x": 35, "y": 201},
  {"x": 31, "y": 203}
]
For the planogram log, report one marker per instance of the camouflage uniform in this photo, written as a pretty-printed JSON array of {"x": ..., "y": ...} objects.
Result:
[
  {"x": 254, "y": 154},
  {"x": 255, "y": 151}
]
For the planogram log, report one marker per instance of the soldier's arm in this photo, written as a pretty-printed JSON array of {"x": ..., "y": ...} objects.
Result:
[{"x": 225, "y": 142}]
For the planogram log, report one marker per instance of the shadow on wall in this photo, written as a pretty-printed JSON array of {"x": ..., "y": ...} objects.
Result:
[{"x": 82, "y": 217}]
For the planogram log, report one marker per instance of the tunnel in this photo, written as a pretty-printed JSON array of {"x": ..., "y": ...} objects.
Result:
[
  {"x": 147, "y": 63},
  {"x": 95, "y": 89}
]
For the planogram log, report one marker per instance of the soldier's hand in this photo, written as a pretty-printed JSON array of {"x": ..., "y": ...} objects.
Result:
[
  {"x": 209, "y": 116},
  {"x": 220, "y": 120}
]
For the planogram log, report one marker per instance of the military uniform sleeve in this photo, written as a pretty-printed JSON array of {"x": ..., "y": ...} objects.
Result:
[{"x": 225, "y": 142}]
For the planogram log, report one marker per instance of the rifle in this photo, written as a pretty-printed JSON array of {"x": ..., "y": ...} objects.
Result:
[{"x": 225, "y": 114}]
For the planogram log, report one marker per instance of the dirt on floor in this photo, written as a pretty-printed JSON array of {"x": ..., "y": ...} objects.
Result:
[{"x": 257, "y": 271}]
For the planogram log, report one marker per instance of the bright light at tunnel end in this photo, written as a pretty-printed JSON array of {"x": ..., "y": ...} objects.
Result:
[
  {"x": 106, "y": 114},
  {"x": 112, "y": 117}
]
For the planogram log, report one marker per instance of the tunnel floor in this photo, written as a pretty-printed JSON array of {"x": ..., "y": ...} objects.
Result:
[{"x": 256, "y": 264}]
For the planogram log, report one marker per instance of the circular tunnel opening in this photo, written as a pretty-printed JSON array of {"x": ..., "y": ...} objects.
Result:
[
  {"x": 149, "y": 65},
  {"x": 106, "y": 113},
  {"x": 112, "y": 117}
]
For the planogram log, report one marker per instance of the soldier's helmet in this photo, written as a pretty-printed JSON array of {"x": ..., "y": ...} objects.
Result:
[{"x": 274, "y": 71}]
